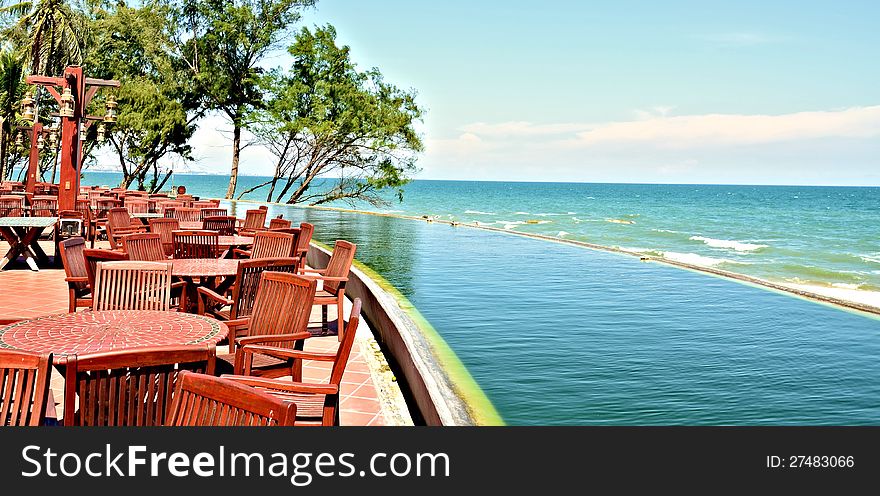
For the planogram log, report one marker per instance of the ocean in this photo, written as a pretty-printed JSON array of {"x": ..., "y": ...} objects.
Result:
[
  {"x": 824, "y": 239},
  {"x": 556, "y": 334}
]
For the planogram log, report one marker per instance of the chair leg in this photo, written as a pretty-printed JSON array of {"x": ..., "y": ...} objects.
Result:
[
  {"x": 71, "y": 308},
  {"x": 325, "y": 328},
  {"x": 340, "y": 299}
]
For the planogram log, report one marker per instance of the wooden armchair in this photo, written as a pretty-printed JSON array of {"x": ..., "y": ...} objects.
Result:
[
  {"x": 24, "y": 396},
  {"x": 254, "y": 220},
  {"x": 334, "y": 277},
  {"x": 243, "y": 292},
  {"x": 119, "y": 224},
  {"x": 144, "y": 247},
  {"x": 196, "y": 244},
  {"x": 76, "y": 273},
  {"x": 93, "y": 257},
  {"x": 134, "y": 286},
  {"x": 306, "y": 231},
  {"x": 203, "y": 400},
  {"x": 213, "y": 212},
  {"x": 164, "y": 228},
  {"x": 183, "y": 214},
  {"x": 135, "y": 205},
  {"x": 278, "y": 223},
  {"x": 224, "y": 225},
  {"x": 315, "y": 402},
  {"x": 279, "y": 318},
  {"x": 44, "y": 206},
  {"x": 11, "y": 206},
  {"x": 268, "y": 244},
  {"x": 205, "y": 204},
  {"x": 128, "y": 387}
]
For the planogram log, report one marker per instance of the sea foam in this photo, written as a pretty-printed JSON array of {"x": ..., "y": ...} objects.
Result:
[
  {"x": 724, "y": 243},
  {"x": 477, "y": 212}
]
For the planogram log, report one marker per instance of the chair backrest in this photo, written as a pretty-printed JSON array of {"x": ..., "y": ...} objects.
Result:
[
  {"x": 247, "y": 281},
  {"x": 93, "y": 256},
  {"x": 187, "y": 214},
  {"x": 164, "y": 227},
  {"x": 279, "y": 223},
  {"x": 186, "y": 199},
  {"x": 144, "y": 247},
  {"x": 84, "y": 206},
  {"x": 203, "y": 400},
  {"x": 213, "y": 212},
  {"x": 44, "y": 206},
  {"x": 343, "y": 352},
  {"x": 118, "y": 217},
  {"x": 103, "y": 206},
  {"x": 282, "y": 305},
  {"x": 224, "y": 225},
  {"x": 11, "y": 206},
  {"x": 269, "y": 244},
  {"x": 71, "y": 251},
  {"x": 163, "y": 205},
  {"x": 132, "y": 286},
  {"x": 254, "y": 219},
  {"x": 132, "y": 387},
  {"x": 339, "y": 264},
  {"x": 196, "y": 244},
  {"x": 203, "y": 204},
  {"x": 137, "y": 206},
  {"x": 306, "y": 231},
  {"x": 24, "y": 387}
]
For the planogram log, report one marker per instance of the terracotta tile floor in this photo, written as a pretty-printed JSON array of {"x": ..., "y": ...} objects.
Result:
[{"x": 26, "y": 294}]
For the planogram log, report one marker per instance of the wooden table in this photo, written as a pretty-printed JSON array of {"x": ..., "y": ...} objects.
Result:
[
  {"x": 191, "y": 226},
  {"x": 23, "y": 234},
  {"x": 230, "y": 243},
  {"x": 90, "y": 332},
  {"x": 206, "y": 270}
]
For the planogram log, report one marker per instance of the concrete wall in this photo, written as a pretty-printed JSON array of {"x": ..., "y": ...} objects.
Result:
[{"x": 424, "y": 377}]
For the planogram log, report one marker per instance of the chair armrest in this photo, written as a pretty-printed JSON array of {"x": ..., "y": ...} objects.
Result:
[
  {"x": 208, "y": 297},
  {"x": 287, "y": 353},
  {"x": 319, "y": 271},
  {"x": 244, "y": 253},
  {"x": 76, "y": 279},
  {"x": 272, "y": 338},
  {"x": 324, "y": 278},
  {"x": 283, "y": 386}
]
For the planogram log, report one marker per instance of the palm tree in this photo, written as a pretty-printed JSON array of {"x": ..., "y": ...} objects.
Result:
[
  {"x": 11, "y": 91},
  {"x": 51, "y": 31}
]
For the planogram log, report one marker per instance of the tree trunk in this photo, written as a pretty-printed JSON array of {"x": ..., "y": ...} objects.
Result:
[
  {"x": 236, "y": 152},
  {"x": 3, "y": 149}
]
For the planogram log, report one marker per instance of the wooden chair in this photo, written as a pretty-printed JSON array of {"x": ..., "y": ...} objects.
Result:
[
  {"x": 76, "y": 272},
  {"x": 243, "y": 291},
  {"x": 202, "y": 400},
  {"x": 24, "y": 387},
  {"x": 84, "y": 206},
  {"x": 224, "y": 225},
  {"x": 183, "y": 214},
  {"x": 163, "y": 205},
  {"x": 278, "y": 223},
  {"x": 93, "y": 257},
  {"x": 254, "y": 220},
  {"x": 334, "y": 277},
  {"x": 101, "y": 207},
  {"x": 119, "y": 224},
  {"x": 280, "y": 317},
  {"x": 128, "y": 387},
  {"x": 137, "y": 206},
  {"x": 207, "y": 204},
  {"x": 196, "y": 244},
  {"x": 44, "y": 206},
  {"x": 306, "y": 231},
  {"x": 144, "y": 247},
  {"x": 133, "y": 286},
  {"x": 11, "y": 206},
  {"x": 315, "y": 402},
  {"x": 186, "y": 199},
  {"x": 268, "y": 244},
  {"x": 213, "y": 212},
  {"x": 164, "y": 228}
]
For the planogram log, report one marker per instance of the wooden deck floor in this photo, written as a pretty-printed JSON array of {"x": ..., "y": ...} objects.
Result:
[{"x": 370, "y": 396}]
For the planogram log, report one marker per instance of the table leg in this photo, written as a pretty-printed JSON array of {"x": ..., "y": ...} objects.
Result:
[
  {"x": 30, "y": 247},
  {"x": 14, "y": 245}
]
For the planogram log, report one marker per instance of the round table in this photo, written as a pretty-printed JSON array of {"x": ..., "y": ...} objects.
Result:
[
  {"x": 191, "y": 226},
  {"x": 90, "y": 332},
  {"x": 235, "y": 241},
  {"x": 204, "y": 267}
]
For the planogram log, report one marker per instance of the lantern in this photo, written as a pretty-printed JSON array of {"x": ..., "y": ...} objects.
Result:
[
  {"x": 40, "y": 144},
  {"x": 66, "y": 109},
  {"x": 102, "y": 129},
  {"x": 19, "y": 140},
  {"x": 110, "y": 104},
  {"x": 53, "y": 136},
  {"x": 27, "y": 108},
  {"x": 82, "y": 132}
]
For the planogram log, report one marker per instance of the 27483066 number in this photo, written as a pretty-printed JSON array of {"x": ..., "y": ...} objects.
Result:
[{"x": 821, "y": 461}]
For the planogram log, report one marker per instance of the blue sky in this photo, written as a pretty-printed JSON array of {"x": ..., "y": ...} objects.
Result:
[{"x": 678, "y": 92}]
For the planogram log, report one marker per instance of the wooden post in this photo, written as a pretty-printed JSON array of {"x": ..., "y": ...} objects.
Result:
[
  {"x": 68, "y": 185},
  {"x": 30, "y": 180}
]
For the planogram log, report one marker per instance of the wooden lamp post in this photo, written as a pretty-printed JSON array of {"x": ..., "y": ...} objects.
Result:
[{"x": 76, "y": 93}]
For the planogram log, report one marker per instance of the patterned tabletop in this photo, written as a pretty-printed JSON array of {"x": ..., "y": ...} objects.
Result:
[
  {"x": 204, "y": 267},
  {"x": 147, "y": 215},
  {"x": 28, "y": 221},
  {"x": 89, "y": 332},
  {"x": 236, "y": 240}
]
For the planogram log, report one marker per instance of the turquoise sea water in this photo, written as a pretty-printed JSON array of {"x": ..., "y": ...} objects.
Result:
[{"x": 557, "y": 334}]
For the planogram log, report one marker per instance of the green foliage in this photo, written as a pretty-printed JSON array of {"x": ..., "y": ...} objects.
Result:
[
  {"x": 325, "y": 118},
  {"x": 52, "y": 33},
  {"x": 12, "y": 89},
  {"x": 156, "y": 102}
]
